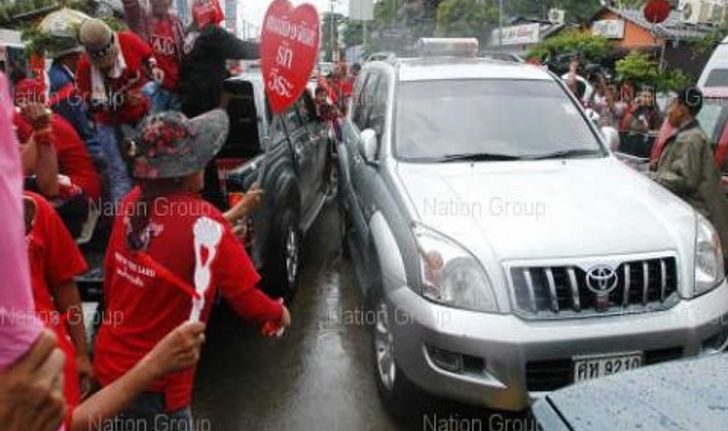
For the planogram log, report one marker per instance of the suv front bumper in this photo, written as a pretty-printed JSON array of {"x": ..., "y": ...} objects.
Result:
[{"x": 502, "y": 350}]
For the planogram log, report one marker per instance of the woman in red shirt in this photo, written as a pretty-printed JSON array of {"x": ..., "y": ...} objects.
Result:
[
  {"x": 55, "y": 261},
  {"x": 169, "y": 253}
]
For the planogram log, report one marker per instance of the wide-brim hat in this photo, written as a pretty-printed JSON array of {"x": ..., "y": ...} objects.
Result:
[
  {"x": 169, "y": 145},
  {"x": 100, "y": 42}
]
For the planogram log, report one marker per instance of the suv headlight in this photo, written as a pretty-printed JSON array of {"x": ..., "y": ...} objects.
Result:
[
  {"x": 709, "y": 267},
  {"x": 451, "y": 276}
]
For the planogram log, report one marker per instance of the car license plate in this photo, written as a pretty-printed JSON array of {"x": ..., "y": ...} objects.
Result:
[{"x": 595, "y": 366}]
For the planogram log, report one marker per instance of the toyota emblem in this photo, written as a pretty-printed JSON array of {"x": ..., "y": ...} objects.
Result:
[{"x": 602, "y": 280}]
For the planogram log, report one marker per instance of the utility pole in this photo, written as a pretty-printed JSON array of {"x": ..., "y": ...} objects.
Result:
[
  {"x": 332, "y": 26},
  {"x": 500, "y": 23}
]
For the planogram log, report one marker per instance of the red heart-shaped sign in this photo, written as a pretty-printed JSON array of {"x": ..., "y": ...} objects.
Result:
[
  {"x": 288, "y": 49},
  {"x": 657, "y": 11}
]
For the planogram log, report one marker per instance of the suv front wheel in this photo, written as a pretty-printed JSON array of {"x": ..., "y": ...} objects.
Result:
[{"x": 400, "y": 397}]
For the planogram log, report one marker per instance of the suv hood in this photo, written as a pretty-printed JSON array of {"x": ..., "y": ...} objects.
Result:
[{"x": 548, "y": 209}]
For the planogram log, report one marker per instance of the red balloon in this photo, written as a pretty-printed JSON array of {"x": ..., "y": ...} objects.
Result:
[
  {"x": 657, "y": 11},
  {"x": 288, "y": 49}
]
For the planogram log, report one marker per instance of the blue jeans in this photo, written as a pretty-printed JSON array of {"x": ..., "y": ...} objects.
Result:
[
  {"x": 161, "y": 99},
  {"x": 147, "y": 412},
  {"x": 119, "y": 180}
]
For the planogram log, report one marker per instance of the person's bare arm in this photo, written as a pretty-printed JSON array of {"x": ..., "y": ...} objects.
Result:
[
  {"x": 46, "y": 166},
  {"x": 46, "y": 161},
  {"x": 179, "y": 350},
  {"x": 68, "y": 302},
  {"x": 245, "y": 207},
  {"x": 28, "y": 154},
  {"x": 31, "y": 391}
]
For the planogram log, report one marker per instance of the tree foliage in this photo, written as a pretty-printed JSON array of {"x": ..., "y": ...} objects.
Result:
[
  {"x": 638, "y": 67},
  {"x": 330, "y": 42},
  {"x": 465, "y": 18},
  {"x": 642, "y": 69},
  {"x": 590, "y": 48}
]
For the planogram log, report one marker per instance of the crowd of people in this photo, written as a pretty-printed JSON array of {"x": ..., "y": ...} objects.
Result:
[
  {"x": 682, "y": 160},
  {"x": 134, "y": 118}
]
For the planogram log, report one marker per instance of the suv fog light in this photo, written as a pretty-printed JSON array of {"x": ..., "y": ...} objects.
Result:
[
  {"x": 448, "y": 361},
  {"x": 716, "y": 343}
]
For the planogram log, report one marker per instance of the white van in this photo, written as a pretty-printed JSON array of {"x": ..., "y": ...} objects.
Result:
[{"x": 715, "y": 73}]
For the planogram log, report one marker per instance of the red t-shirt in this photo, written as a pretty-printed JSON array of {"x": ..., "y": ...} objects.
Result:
[
  {"x": 166, "y": 51},
  {"x": 132, "y": 79},
  {"x": 54, "y": 260},
  {"x": 74, "y": 160},
  {"x": 152, "y": 305}
]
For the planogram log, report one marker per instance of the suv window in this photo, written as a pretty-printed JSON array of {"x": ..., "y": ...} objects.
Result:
[
  {"x": 712, "y": 119},
  {"x": 510, "y": 118},
  {"x": 717, "y": 78}
]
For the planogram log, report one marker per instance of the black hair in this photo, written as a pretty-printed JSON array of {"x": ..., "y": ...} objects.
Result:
[{"x": 691, "y": 98}]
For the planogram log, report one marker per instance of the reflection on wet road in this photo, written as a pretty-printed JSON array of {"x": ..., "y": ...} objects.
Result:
[{"x": 319, "y": 376}]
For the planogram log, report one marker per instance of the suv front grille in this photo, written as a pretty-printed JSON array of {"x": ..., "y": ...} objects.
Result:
[{"x": 564, "y": 291}]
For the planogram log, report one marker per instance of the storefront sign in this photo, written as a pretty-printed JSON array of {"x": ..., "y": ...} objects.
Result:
[
  {"x": 517, "y": 35},
  {"x": 609, "y": 28}
]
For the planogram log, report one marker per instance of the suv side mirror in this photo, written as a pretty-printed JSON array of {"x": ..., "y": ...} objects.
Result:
[
  {"x": 611, "y": 136},
  {"x": 368, "y": 145}
]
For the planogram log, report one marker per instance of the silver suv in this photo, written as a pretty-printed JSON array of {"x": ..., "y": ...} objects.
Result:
[{"x": 504, "y": 251}]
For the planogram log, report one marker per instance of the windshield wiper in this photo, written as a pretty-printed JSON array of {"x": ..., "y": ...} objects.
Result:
[
  {"x": 566, "y": 154},
  {"x": 478, "y": 157}
]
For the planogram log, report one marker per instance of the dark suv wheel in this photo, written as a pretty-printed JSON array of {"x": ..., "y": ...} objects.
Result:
[{"x": 281, "y": 268}]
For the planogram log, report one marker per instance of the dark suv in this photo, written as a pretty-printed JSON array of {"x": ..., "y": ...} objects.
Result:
[{"x": 290, "y": 156}]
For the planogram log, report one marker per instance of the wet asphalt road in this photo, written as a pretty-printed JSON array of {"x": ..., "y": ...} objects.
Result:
[{"x": 319, "y": 376}]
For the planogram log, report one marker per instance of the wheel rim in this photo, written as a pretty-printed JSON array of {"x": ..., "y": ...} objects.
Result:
[
  {"x": 292, "y": 255},
  {"x": 384, "y": 347}
]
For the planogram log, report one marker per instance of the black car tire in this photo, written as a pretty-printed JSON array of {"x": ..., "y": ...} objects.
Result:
[
  {"x": 400, "y": 397},
  {"x": 282, "y": 247}
]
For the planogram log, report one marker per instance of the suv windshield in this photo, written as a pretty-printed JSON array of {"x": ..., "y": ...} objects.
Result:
[{"x": 488, "y": 118}]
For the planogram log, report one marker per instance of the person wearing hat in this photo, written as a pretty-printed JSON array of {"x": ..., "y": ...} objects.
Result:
[
  {"x": 110, "y": 77},
  {"x": 167, "y": 245},
  {"x": 64, "y": 98},
  {"x": 687, "y": 167}
]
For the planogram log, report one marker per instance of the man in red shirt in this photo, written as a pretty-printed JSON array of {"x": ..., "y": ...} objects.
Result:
[
  {"x": 54, "y": 263},
  {"x": 169, "y": 254},
  {"x": 64, "y": 170},
  {"x": 165, "y": 33},
  {"x": 110, "y": 77}
]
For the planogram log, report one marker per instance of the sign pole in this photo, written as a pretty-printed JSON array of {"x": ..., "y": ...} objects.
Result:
[{"x": 500, "y": 23}]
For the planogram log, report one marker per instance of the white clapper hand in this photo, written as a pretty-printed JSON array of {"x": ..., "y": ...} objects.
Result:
[{"x": 207, "y": 234}]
